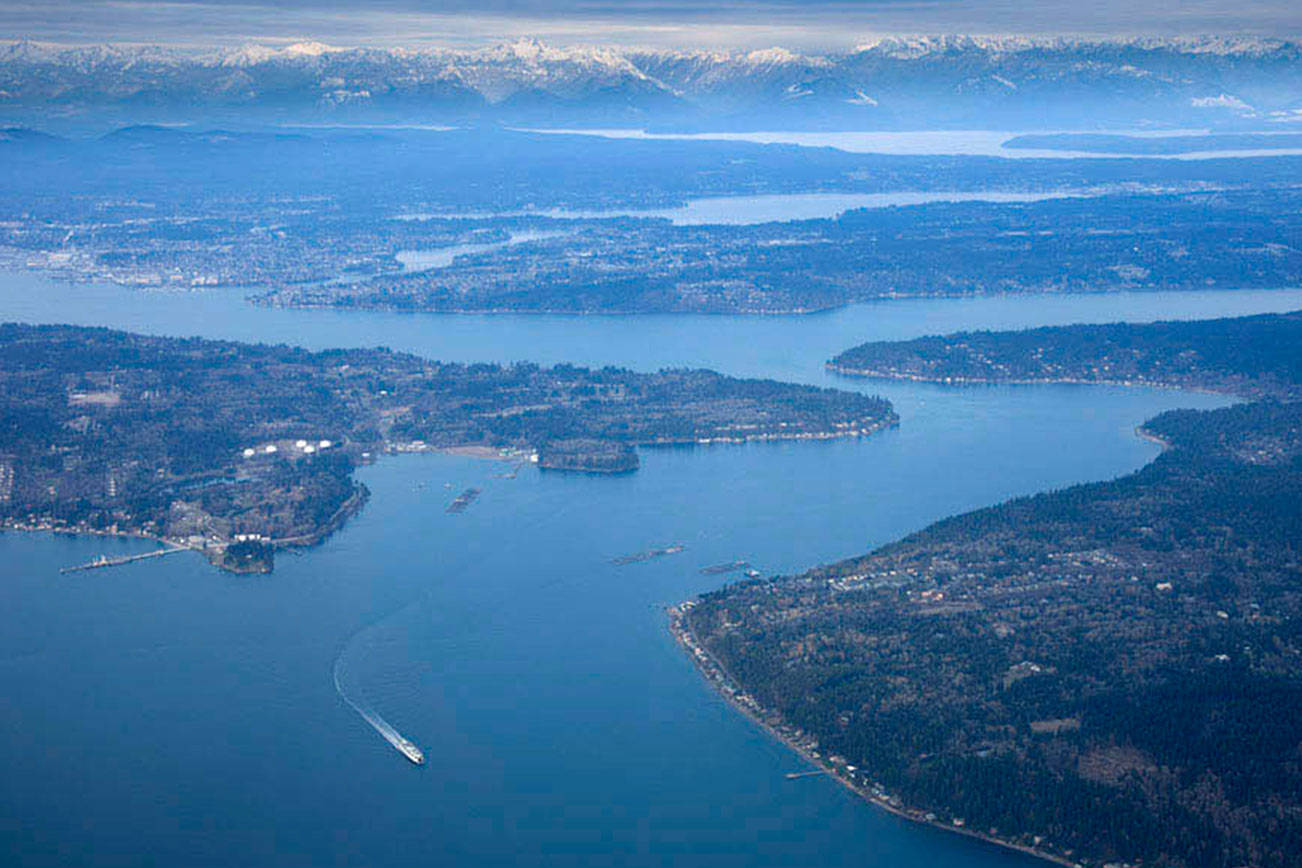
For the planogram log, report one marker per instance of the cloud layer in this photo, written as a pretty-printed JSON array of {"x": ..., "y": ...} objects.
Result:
[{"x": 806, "y": 24}]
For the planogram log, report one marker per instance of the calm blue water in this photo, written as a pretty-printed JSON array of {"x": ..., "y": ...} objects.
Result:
[
  {"x": 989, "y": 143},
  {"x": 165, "y": 713},
  {"x": 771, "y": 208},
  {"x": 441, "y": 257},
  {"x": 788, "y": 348}
]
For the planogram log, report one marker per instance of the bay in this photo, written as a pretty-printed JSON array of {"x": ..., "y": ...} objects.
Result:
[
  {"x": 986, "y": 143},
  {"x": 165, "y": 713},
  {"x": 771, "y": 207}
]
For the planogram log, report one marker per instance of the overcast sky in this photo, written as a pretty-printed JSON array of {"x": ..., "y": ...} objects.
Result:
[{"x": 800, "y": 24}]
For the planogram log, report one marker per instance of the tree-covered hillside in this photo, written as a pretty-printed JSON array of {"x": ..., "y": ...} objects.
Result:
[
  {"x": 207, "y": 442},
  {"x": 1254, "y": 356},
  {"x": 1110, "y": 673}
]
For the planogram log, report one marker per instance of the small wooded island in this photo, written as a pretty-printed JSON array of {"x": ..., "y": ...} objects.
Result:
[
  {"x": 1111, "y": 673},
  {"x": 238, "y": 449}
]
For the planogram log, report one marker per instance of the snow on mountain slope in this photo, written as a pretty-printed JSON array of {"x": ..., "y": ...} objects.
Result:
[{"x": 914, "y": 81}]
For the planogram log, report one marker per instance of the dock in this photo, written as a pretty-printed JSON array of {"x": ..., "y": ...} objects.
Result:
[
  {"x": 105, "y": 561},
  {"x": 795, "y": 776}
]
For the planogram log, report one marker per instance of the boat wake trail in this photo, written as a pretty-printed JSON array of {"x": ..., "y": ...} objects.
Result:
[
  {"x": 378, "y": 723},
  {"x": 473, "y": 554}
]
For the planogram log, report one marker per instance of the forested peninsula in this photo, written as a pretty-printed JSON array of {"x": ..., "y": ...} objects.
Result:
[
  {"x": 238, "y": 449},
  {"x": 1166, "y": 145},
  {"x": 1255, "y": 356},
  {"x": 1111, "y": 673},
  {"x": 1080, "y": 243}
]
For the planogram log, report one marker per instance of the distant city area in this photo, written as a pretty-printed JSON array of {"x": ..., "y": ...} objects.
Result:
[{"x": 517, "y": 236}]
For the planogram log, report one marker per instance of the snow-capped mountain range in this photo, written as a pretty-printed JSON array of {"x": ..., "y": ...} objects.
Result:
[{"x": 921, "y": 82}]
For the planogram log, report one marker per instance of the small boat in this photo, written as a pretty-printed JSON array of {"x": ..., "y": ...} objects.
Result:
[{"x": 410, "y": 751}]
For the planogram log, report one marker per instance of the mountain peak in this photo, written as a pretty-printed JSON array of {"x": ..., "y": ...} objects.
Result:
[
  {"x": 309, "y": 49},
  {"x": 908, "y": 82},
  {"x": 252, "y": 54}
]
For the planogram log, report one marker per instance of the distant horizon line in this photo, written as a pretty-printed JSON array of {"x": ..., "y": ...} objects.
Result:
[{"x": 310, "y": 46}]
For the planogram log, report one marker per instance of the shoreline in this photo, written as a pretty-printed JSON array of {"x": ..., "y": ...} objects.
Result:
[
  {"x": 871, "y": 374},
  {"x": 261, "y": 295},
  {"x": 1144, "y": 434},
  {"x": 730, "y": 691},
  {"x": 349, "y": 508},
  {"x": 10, "y": 526},
  {"x": 859, "y": 428},
  {"x": 485, "y": 453},
  {"x": 212, "y": 550}
]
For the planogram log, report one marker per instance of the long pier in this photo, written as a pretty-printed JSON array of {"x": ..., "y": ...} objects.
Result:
[
  {"x": 795, "y": 776},
  {"x": 105, "y": 561}
]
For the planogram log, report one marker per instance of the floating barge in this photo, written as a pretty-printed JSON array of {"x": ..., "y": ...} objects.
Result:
[
  {"x": 464, "y": 499},
  {"x": 647, "y": 555}
]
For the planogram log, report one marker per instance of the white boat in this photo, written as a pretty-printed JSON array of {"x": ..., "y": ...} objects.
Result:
[{"x": 410, "y": 751}]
